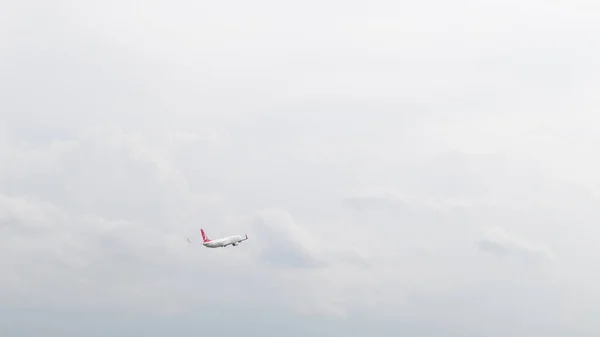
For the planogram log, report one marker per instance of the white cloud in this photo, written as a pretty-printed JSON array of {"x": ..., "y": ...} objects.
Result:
[
  {"x": 432, "y": 161},
  {"x": 113, "y": 235},
  {"x": 498, "y": 238}
]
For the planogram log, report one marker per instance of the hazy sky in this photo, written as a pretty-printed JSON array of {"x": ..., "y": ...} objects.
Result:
[{"x": 423, "y": 168}]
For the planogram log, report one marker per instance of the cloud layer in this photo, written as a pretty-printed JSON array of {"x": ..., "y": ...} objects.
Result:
[{"x": 400, "y": 168}]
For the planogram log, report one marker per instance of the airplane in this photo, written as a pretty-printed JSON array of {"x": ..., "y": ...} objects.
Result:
[{"x": 223, "y": 242}]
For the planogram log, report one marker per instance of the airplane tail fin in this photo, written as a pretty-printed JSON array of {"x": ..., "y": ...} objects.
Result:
[{"x": 204, "y": 236}]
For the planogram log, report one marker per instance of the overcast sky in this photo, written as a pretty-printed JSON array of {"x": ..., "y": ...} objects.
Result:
[{"x": 423, "y": 168}]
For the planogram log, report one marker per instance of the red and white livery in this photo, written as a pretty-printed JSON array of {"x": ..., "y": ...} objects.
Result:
[{"x": 223, "y": 242}]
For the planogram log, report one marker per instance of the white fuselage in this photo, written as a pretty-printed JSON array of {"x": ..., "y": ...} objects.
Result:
[{"x": 224, "y": 242}]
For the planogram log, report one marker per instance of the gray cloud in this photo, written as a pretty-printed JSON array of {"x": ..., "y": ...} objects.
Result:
[
  {"x": 424, "y": 171},
  {"x": 501, "y": 243},
  {"x": 492, "y": 247},
  {"x": 283, "y": 246}
]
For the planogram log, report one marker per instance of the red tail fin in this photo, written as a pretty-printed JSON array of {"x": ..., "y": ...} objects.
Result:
[{"x": 204, "y": 236}]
